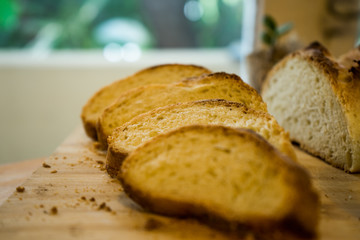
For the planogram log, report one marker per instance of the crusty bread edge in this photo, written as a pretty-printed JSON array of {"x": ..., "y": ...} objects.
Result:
[
  {"x": 188, "y": 82},
  {"x": 101, "y": 135},
  {"x": 284, "y": 228},
  {"x": 114, "y": 160},
  {"x": 90, "y": 126},
  {"x": 345, "y": 84},
  {"x": 228, "y": 76},
  {"x": 116, "y": 156}
]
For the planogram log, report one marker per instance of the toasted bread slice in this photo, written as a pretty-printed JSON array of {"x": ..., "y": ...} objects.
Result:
[
  {"x": 231, "y": 177},
  {"x": 167, "y": 73},
  {"x": 219, "y": 112},
  {"x": 317, "y": 100},
  {"x": 143, "y": 99}
]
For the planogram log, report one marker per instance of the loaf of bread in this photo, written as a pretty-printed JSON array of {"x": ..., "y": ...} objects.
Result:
[
  {"x": 229, "y": 178},
  {"x": 167, "y": 73},
  {"x": 144, "y": 127},
  {"x": 317, "y": 99},
  {"x": 143, "y": 99}
]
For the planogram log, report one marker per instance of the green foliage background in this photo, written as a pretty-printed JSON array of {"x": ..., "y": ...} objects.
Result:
[{"x": 25, "y": 22}]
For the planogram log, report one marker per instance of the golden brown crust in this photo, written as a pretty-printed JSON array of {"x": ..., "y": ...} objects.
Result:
[
  {"x": 288, "y": 228},
  {"x": 315, "y": 54},
  {"x": 89, "y": 128},
  {"x": 101, "y": 134},
  {"x": 345, "y": 84},
  {"x": 292, "y": 226},
  {"x": 90, "y": 123},
  {"x": 114, "y": 163},
  {"x": 114, "y": 159},
  {"x": 221, "y": 78},
  {"x": 223, "y": 75}
]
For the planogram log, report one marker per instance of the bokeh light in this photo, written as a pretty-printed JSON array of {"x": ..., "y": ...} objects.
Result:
[{"x": 193, "y": 10}]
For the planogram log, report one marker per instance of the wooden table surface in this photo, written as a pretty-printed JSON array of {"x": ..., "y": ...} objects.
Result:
[
  {"x": 72, "y": 197},
  {"x": 13, "y": 175}
]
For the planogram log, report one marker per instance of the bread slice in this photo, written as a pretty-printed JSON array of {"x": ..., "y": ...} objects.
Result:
[
  {"x": 231, "y": 178},
  {"x": 317, "y": 100},
  {"x": 144, "y": 127},
  {"x": 167, "y": 73},
  {"x": 143, "y": 99}
]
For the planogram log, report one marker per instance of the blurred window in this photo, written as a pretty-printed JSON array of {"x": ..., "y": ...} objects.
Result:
[{"x": 112, "y": 25}]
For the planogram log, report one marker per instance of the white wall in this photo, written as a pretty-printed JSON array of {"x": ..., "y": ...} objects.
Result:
[{"x": 41, "y": 98}]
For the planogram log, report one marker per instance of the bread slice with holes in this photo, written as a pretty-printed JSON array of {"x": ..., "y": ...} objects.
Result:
[
  {"x": 144, "y": 127},
  {"x": 317, "y": 99},
  {"x": 143, "y": 99},
  {"x": 166, "y": 73},
  {"x": 229, "y": 178}
]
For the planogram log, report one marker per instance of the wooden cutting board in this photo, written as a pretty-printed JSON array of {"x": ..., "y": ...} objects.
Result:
[{"x": 72, "y": 197}]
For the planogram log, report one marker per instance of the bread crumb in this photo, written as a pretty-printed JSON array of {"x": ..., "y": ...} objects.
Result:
[
  {"x": 54, "y": 210},
  {"x": 152, "y": 224},
  {"x": 92, "y": 199},
  {"x": 20, "y": 198},
  {"x": 53, "y": 171},
  {"x": 83, "y": 198},
  {"x": 97, "y": 146},
  {"x": 102, "y": 206},
  {"x": 41, "y": 206},
  {"x": 100, "y": 162},
  {"x": 20, "y": 189},
  {"x": 46, "y": 165}
]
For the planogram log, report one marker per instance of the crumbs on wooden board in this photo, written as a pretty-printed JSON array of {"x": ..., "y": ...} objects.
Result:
[
  {"x": 20, "y": 189},
  {"x": 152, "y": 224},
  {"x": 54, "y": 210},
  {"x": 45, "y": 165}
]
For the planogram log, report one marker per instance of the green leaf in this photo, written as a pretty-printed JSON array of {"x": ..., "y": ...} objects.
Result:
[
  {"x": 268, "y": 39},
  {"x": 8, "y": 14},
  {"x": 270, "y": 23},
  {"x": 286, "y": 27}
]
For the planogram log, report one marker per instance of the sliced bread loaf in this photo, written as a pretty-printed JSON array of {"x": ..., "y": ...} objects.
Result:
[
  {"x": 143, "y": 99},
  {"x": 144, "y": 127},
  {"x": 229, "y": 178},
  {"x": 317, "y": 100},
  {"x": 167, "y": 73}
]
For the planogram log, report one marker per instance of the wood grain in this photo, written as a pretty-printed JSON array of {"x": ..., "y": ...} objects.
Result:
[
  {"x": 74, "y": 198},
  {"x": 13, "y": 175}
]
